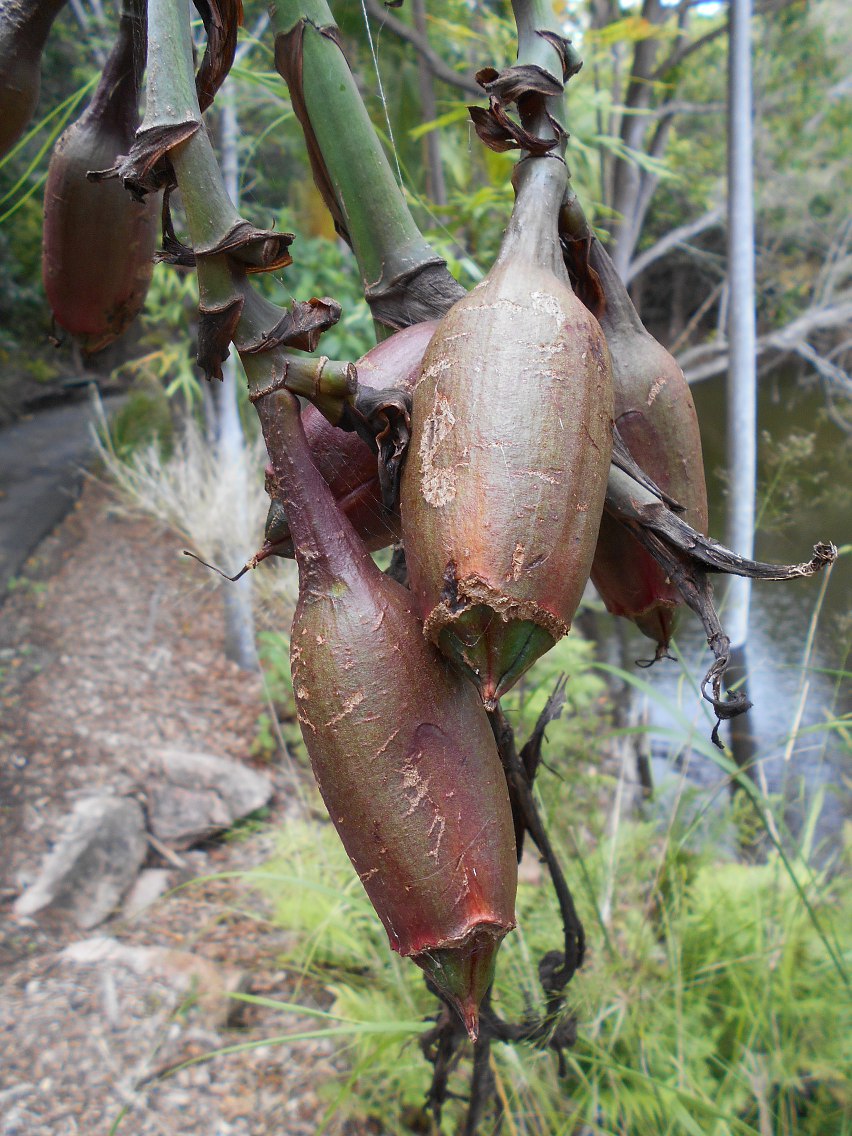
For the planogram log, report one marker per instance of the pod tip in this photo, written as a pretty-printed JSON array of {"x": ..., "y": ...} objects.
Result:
[{"x": 463, "y": 973}]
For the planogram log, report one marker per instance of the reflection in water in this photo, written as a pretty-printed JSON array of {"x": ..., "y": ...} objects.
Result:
[{"x": 811, "y": 501}]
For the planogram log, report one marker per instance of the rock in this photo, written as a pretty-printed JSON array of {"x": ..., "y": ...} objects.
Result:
[
  {"x": 208, "y": 984},
  {"x": 194, "y": 795},
  {"x": 149, "y": 886},
  {"x": 92, "y": 865}
]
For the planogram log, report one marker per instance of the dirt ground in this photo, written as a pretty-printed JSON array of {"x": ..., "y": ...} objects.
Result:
[{"x": 110, "y": 644}]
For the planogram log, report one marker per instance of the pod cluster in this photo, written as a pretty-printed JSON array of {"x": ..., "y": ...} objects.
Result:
[{"x": 513, "y": 395}]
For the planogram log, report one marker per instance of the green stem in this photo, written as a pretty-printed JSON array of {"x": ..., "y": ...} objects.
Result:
[
  {"x": 404, "y": 280},
  {"x": 211, "y": 215},
  {"x": 170, "y": 96},
  {"x": 531, "y": 18}
]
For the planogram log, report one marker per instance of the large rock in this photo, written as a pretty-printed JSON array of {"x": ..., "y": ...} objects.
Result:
[
  {"x": 92, "y": 865},
  {"x": 191, "y": 795},
  {"x": 188, "y": 972}
]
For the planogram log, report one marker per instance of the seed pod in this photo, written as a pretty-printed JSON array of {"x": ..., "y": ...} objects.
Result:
[
  {"x": 345, "y": 460},
  {"x": 401, "y": 748},
  {"x": 511, "y": 440},
  {"x": 99, "y": 242},
  {"x": 24, "y": 28},
  {"x": 656, "y": 418}
]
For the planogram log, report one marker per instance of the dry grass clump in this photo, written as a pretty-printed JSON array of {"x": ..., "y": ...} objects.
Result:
[{"x": 219, "y": 515}]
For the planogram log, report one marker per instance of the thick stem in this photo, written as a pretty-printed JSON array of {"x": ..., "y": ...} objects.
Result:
[
  {"x": 539, "y": 185},
  {"x": 405, "y": 282},
  {"x": 532, "y": 18},
  {"x": 210, "y": 213},
  {"x": 170, "y": 96},
  {"x": 28, "y": 23}
]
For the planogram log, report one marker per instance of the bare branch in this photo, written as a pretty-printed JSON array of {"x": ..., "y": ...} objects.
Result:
[
  {"x": 697, "y": 316},
  {"x": 436, "y": 64},
  {"x": 675, "y": 238},
  {"x": 710, "y": 359},
  {"x": 825, "y": 367},
  {"x": 675, "y": 107},
  {"x": 677, "y": 56}
]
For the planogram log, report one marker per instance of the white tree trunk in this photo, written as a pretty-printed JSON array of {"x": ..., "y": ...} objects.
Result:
[
  {"x": 239, "y": 615},
  {"x": 742, "y": 373}
]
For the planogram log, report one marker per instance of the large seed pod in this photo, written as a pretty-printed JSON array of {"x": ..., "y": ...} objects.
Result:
[
  {"x": 511, "y": 441},
  {"x": 98, "y": 241},
  {"x": 401, "y": 748},
  {"x": 345, "y": 460},
  {"x": 24, "y": 28},
  {"x": 656, "y": 418}
]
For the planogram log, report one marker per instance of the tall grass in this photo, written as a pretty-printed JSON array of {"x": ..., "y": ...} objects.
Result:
[{"x": 712, "y": 1001}]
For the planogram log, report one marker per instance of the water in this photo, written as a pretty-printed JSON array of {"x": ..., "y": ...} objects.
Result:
[{"x": 811, "y": 501}]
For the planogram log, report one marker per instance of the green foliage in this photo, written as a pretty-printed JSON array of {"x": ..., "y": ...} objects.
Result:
[
  {"x": 273, "y": 650},
  {"x": 715, "y": 1010},
  {"x": 711, "y": 1001},
  {"x": 144, "y": 418},
  {"x": 168, "y": 324}
]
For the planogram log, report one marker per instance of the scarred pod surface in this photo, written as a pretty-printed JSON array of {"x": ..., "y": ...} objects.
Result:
[
  {"x": 345, "y": 460},
  {"x": 98, "y": 242},
  {"x": 656, "y": 418},
  {"x": 401, "y": 747},
  {"x": 24, "y": 28},
  {"x": 511, "y": 441}
]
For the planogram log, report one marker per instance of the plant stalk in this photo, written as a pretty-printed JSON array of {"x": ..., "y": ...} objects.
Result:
[{"x": 405, "y": 281}]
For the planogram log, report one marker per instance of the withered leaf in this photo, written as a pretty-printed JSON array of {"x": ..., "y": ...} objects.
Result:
[
  {"x": 413, "y": 295},
  {"x": 221, "y": 19},
  {"x": 513, "y": 83},
  {"x": 499, "y": 131},
  {"x": 383, "y": 419},
  {"x": 147, "y": 169},
  {"x": 571, "y": 61},
  {"x": 623, "y": 459},
  {"x": 688, "y": 557},
  {"x": 173, "y": 251},
  {"x": 495, "y": 136},
  {"x": 584, "y": 279},
  {"x": 529, "y": 87},
  {"x": 257, "y": 250},
  {"x": 216, "y": 327},
  {"x": 301, "y": 327}
]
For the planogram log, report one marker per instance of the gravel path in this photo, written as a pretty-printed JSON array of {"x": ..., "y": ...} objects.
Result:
[{"x": 113, "y": 644}]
